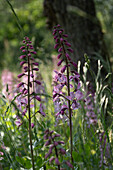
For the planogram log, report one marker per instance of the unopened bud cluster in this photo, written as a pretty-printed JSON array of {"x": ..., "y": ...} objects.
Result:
[
  {"x": 65, "y": 79},
  {"x": 55, "y": 148}
]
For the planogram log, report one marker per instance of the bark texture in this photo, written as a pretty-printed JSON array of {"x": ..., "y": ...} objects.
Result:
[{"x": 78, "y": 18}]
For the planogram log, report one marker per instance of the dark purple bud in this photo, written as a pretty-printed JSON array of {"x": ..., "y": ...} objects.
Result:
[
  {"x": 68, "y": 57},
  {"x": 60, "y": 32},
  {"x": 70, "y": 50},
  {"x": 29, "y": 42},
  {"x": 23, "y": 47},
  {"x": 68, "y": 44},
  {"x": 51, "y": 132},
  {"x": 74, "y": 64},
  {"x": 60, "y": 49},
  {"x": 20, "y": 75},
  {"x": 38, "y": 82},
  {"x": 69, "y": 164},
  {"x": 46, "y": 136},
  {"x": 57, "y": 161},
  {"x": 24, "y": 41},
  {"x": 47, "y": 155},
  {"x": 27, "y": 38},
  {"x": 31, "y": 47},
  {"x": 36, "y": 69},
  {"x": 60, "y": 62},
  {"x": 38, "y": 98},
  {"x": 57, "y": 135},
  {"x": 61, "y": 40},
  {"x": 56, "y": 45},
  {"x": 55, "y": 37},
  {"x": 65, "y": 35},
  {"x": 59, "y": 55},
  {"x": 26, "y": 91},
  {"x": 61, "y": 142},
  {"x": 58, "y": 25},
  {"x": 63, "y": 69},
  {"x": 57, "y": 40},
  {"x": 32, "y": 75},
  {"x": 32, "y": 125},
  {"x": 33, "y": 52},
  {"x": 62, "y": 151},
  {"x": 24, "y": 51},
  {"x": 55, "y": 143},
  {"x": 25, "y": 68},
  {"x": 29, "y": 55},
  {"x": 22, "y": 56},
  {"x": 54, "y": 95},
  {"x": 51, "y": 159},
  {"x": 20, "y": 84},
  {"x": 48, "y": 143},
  {"x": 30, "y": 84},
  {"x": 54, "y": 32},
  {"x": 46, "y": 131},
  {"x": 22, "y": 63},
  {"x": 36, "y": 64}
]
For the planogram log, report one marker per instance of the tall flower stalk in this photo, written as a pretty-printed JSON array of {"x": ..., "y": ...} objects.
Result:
[
  {"x": 29, "y": 66},
  {"x": 65, "y": 78}
]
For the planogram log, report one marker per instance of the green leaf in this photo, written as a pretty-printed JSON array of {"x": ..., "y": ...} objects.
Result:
[
  {"x": 76, "y": 156},
  {"x": 24, "y": 161},
  {"x": 39, "y": 161}
]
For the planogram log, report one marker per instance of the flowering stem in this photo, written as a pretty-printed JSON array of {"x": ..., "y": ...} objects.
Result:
[
  {"x": 29, "y": 114},
  {"x": 69, "y": 105}
]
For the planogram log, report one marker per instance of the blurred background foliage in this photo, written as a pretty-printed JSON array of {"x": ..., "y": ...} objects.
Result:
[
  {"x": 105, "y": 15},
  {"x": 32, "y": 20},
  {"x": 33, "y": 23}
]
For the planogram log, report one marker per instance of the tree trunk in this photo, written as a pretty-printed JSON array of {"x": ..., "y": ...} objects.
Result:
[{"x": 78, "y": 18}]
